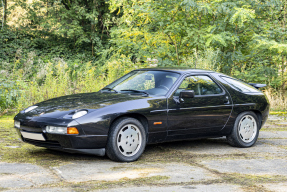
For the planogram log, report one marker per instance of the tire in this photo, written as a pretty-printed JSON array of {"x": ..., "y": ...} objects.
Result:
[
  {"x": 126, "y": 140},
  {"x": 245, "y": 130}
]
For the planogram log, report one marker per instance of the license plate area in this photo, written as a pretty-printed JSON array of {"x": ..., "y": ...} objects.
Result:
[{"x": 33, "y": 136}]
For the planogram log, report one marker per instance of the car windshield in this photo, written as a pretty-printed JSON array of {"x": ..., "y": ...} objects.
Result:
[{"x": 145, "y": 82}]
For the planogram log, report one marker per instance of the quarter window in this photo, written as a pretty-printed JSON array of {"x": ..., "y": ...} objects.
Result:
[
  {"x": 239, "y": 85},
  {"x": 201, "y": 84}
]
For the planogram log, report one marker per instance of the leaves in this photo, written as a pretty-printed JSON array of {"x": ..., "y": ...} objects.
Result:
[
  {"x": 246, "y": 39},
  {"x": 242, "y": 15}
]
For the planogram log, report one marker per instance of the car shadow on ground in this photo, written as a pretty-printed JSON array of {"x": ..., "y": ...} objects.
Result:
[
  {"x": 189, "y": 144},
  {"x": 43, "y": 154},
  {"x": 159, "y": 151}
]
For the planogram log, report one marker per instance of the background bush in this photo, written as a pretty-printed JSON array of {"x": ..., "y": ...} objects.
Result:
[{"x": 51, "y": 48}]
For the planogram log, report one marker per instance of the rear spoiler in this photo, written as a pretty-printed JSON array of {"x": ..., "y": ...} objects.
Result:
[{"x": 257, "y": 86}]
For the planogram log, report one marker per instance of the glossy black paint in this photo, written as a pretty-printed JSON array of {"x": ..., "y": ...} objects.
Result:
[{"x": 182, "y": 118}]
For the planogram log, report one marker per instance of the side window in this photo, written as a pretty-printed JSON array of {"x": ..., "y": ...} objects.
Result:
[{"x": 201, "y": 84}]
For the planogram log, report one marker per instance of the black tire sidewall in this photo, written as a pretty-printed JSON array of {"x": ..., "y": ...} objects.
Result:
[
  {"x": 235, "y": 134},
  {"x": 112, "y": 148}
]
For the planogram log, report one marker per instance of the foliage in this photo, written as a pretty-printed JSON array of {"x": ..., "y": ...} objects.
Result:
[
  {"x": 57, "y": 78},
  {"x": 8, "y": 94},
  {"x": 277, "y": 100},
  {"x": 71, "y": 44},
  {"x": 240, "y": 33},
  {"x": 81, "y": 24}
]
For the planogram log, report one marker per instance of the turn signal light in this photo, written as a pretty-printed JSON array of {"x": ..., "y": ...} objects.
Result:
[
  {"x": 157, "y": 123},
  {"x": 72, "y": 130}
]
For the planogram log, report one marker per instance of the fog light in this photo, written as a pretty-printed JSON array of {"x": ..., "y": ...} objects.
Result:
[
  {"x": 17, "y": 124},
  {"x": 72, "y": 130},
  {"x": 56, "y": 130}
]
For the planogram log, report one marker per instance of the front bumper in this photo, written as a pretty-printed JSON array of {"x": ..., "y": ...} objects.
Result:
[{"x": 88, "y": 144}]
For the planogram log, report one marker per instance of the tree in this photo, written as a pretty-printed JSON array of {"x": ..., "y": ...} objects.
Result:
[
  {"x": 249, "y": 35},
  {"x": 4, "y": 17},
  {"x": 84, "y": 24}
]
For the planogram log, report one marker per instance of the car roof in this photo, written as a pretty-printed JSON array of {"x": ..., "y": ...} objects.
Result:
[{"x": 177, "y": 69}]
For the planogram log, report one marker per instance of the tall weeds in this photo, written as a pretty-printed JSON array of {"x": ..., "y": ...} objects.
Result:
[
  {"x": 57, "y": 78},
  {"x": 24, "y": 84},
  {"x": 278, "y": 101},
  {"x": 207, "y": 59}
]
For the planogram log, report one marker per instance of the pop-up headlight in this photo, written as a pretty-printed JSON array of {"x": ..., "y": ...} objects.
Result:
[
  {"x": 30, "y": 109},
  {"x": 79, "y": 114}
]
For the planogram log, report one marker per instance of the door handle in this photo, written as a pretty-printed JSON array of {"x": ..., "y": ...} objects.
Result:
[
  {"x": 226, "y": 100},
  {"x": 176, "y": 100}
]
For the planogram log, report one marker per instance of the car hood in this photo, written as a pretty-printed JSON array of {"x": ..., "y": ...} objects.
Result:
[{"x": 62, "y": 106}]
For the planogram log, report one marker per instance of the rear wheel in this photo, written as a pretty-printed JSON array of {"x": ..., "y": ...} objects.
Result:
[
  {"x": 245, "y": 131},
  {"x": 126, "y": 141}
]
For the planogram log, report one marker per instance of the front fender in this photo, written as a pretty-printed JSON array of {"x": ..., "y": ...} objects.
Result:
[{"x": 99, "y": 121}]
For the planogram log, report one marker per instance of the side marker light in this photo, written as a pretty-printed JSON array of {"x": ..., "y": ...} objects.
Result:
[{"x": 72, "y": 131}]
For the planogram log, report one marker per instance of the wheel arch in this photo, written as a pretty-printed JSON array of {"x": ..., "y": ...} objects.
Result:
[
  {"x": 259, "y": 116},
  {"x": 141, "y": 118},
  {"x": 257, "y": 113}
]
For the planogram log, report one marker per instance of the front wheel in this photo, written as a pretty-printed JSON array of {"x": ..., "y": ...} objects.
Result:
[
  {"x": 245, "y": 131},
  {"x": 126, "y": 141}
]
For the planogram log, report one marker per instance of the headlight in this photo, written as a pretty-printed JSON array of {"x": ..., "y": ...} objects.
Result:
[
  {"x": 62, "y": 130},
  {"x": 30, "y": 109},
  {"x": 17, "y": 124},
  {"x": 56, "y": 130},
  {"x": 79, "y": 114}
]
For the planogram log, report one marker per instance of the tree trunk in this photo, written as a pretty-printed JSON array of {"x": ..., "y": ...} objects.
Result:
[
  {"x": 283, "y": 59},
  {"x": 93, "y": 29},
  {"x": 177, "y": 56},
  {"x": 3, "y": 18},
  {"x": 5, "y": 14}
]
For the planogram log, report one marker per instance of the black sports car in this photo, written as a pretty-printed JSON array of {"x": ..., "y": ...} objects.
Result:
[{"x": 147, "y": 106}]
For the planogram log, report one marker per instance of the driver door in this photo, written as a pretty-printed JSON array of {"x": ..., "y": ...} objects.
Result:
[{"x": 208, "y": 111}]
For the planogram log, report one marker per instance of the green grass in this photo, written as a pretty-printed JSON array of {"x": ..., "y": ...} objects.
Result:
[{"x": 283, "y": 113}]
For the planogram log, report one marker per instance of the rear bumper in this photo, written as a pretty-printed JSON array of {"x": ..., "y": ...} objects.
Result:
[{"x": 88, "y": 144}]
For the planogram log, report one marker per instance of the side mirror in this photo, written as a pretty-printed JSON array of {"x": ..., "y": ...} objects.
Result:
[{"x": 186, "y": 94}]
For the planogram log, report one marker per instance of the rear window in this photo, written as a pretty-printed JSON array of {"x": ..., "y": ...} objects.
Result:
[{"x": 240, "y": 85}]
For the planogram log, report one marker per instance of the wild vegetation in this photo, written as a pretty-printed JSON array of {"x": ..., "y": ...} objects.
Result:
[{"x": 52, "y": 48}]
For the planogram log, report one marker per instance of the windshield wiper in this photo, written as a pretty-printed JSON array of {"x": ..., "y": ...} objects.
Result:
[
  {"x": 136, "y": 91},
  {"x": 110, "y": 89}
]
